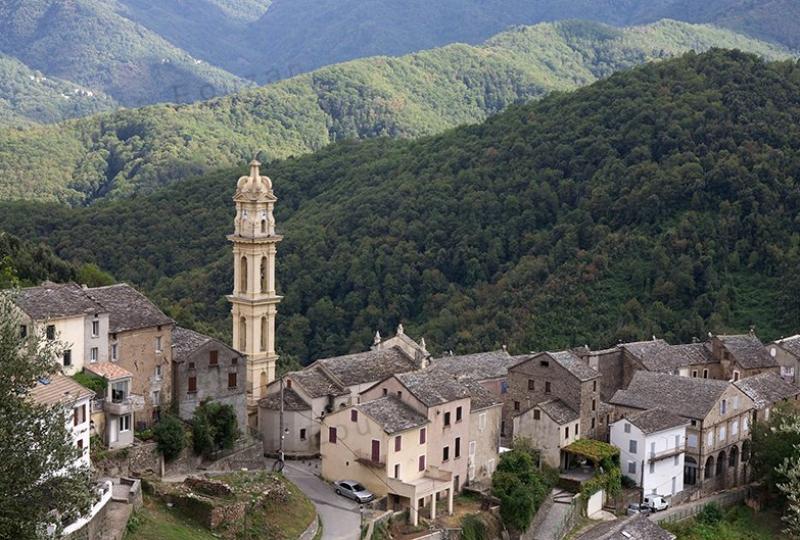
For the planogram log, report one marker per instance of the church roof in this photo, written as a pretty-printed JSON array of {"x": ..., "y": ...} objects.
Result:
[{"x": 367, "y": 367}]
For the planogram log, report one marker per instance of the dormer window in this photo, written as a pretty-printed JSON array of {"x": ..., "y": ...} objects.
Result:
[{"x": 544, "y": 363}]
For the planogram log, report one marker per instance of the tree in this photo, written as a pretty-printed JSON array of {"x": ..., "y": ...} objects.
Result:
[
  {"x": 519, "y": 485},
  {"x": 214, "y": 427},
  {"x": 170, "y": 437},
  {"x": 39, "y": 483}
]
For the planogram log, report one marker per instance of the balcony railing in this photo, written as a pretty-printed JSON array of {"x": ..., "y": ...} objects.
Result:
[
  {"x": 668, "y": 453},
  {"x": 126, "y": 405},
  {"x": 367, "y": 460}
]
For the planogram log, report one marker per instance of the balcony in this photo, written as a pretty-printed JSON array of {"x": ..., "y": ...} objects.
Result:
[
  {"x": 668, "y": 453},
  {"x": 367, "y": 461},
  {"x": 124, "y": 405}
]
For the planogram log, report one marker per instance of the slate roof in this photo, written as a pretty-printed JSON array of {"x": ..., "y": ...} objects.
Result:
[
  {"x": 480, "y": 397},
  {"x": 767, "y": 388},
  {"x": 748, "y": 351},
  {"x": 655, "y": 420},
  {"x": 109, "y": 370},
  {"x": 478, "y": 366},
  {"x": 433, "y": 386},
  {"x": 317, "y": 383},
  {"x": 59, "y": 389},
  {"x": 574, "y": 365},
  {"x": 185, "y": 342},
  {"x": 291, "y": 401},
  {"x": 660, "y": 356},
  {"x": 636, "y": 527},
  {"x": 559, "y": 411},
  {"x": 790, "y": 344},
  {"x": 392, "y": 414},
  {"x": 368, "y": 367},
  {"x": 686, "y": 396},
  {"x": 128, "y": 308},
  {"x": 54, "y": 301}
]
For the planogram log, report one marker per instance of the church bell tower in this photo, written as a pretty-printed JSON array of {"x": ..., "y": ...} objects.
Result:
[{"x": 254, "y": 300}]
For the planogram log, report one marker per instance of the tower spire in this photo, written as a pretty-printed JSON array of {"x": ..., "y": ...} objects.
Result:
[{"x": 254, "y": 299}]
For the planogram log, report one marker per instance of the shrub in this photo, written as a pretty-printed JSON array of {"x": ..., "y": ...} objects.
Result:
[
  {"x": 214, "y": 427},
  {"x": 520, "y": 487},
  {"x": 710, "y": 514},
  {"x": 473, "y": 528},
  {"x": 94, "y": 383},
  {"x": 170, "y": 437}
]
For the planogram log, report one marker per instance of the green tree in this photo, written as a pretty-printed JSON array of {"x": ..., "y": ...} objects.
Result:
[
  {"x": 214, "y": 427},
  {"x": 38, "y": 478},
  {"x": 519, "y": 485},
  {"x": 170, "y": 436}
]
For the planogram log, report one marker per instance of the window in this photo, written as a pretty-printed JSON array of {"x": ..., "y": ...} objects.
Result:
[
  {"x": 398, "y": 443},
  {"x": 158, "y": 373},
  {"x": 676, "y": 459},
  {"x": 723, "y": 406},
  {"x": 631, "y": 467},
  {"x": 537, "y": 415},
  {"x": 544, "y": 363},
  {"x": 50, "y": 332},
  {"x": 472, "y": 447},
  {"x": 547, "y": 387},
  {"x": 566, "y": 432},
  {"x": 113, "y": 351},
  {"x": 213, "y": 358},
  {"x": 397, "y": 470},
  {"x": 158, "y": 344},
  {"x": 446, "y": 453},
  {"x": 79, "y": 415},
  {"x": 191, "y": 365},
  {"x": 627, "y": 428},
  {"x": 652, "y": 467},
  {"x": 694, "y": 422},
  {"x": 516, "y": 405},
  {"x": 694, "y": 373},
  {"x": 531, "y": 384},
  {"x": 482, "y": 421},
  {"x": 235, "y": 362},
  {"x": 504, "y": 387},
  {"x": 23, "y": 330},
  {"x": 353, "y": 415},
  {"x": 735, "y": 376},
  {"x": 457, "y": 448},
  {"x": 421, "y": 463},
  {"x": 192, "y": 384},
  {"x": 710, "y": 438},
  {"x": 577, "y": 426},
  {"x": 745, "y": 422},
  {"x": 385, "y": 392},
  {"x": 594, "y": 386},
  {"x": 67, "y": 358},
  {"x": 458, "y": 414},
  {"x": 677, "y": 441},
  {"x": 722, "y": 433},
  {"x": 691, "y": 440},
  {"x": 232, "y": 382},
  {"x": 594, "y": 404},
  {"x": 422, "y": 436},
  {"x": 633, "y": 446},
  {"x": 125, "y": 423},
  {"x": 652, "y": 448},
  {"x": 735, "y": 403},
  {"x": 734, "y": 428},
  {"x": 592, "y": 423},
  {"x": 447, "y": 419},
  {"x": 93, "y": 355},
  {"x": 95, "y": 328},
  {"x": 705, "y": 374},
  {"x": 303, "y": 434},
  {"x": 156, "y": 398},
  {"x": 332, "y": 435},
  {"x": 399, "y": 394},
  {"x": 80, "y": 445}
]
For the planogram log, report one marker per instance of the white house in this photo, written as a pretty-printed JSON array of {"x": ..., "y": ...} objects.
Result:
[
  {"x": 652, "y": 446},
  {"x": 76, "y": 402}
]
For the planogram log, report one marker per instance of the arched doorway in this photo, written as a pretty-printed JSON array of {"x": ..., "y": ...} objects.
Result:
[
  {"x": 722, "y": 463},
  {"x": 709, "y": 469},
  {"x": 689, "y": 471},
  {"x": 733, "y": 457}
]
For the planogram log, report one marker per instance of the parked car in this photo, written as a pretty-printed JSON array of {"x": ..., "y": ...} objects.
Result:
[
  {"x": 656, "y": 502},
  {"x": 638, "y": 509},
  {"x": 353, "y": 490}
]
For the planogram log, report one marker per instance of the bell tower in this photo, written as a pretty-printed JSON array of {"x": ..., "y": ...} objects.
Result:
[{"x": 254, "y": 300}]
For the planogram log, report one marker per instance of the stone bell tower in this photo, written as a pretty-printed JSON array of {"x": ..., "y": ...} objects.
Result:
[{"x": 254, "y": 300}]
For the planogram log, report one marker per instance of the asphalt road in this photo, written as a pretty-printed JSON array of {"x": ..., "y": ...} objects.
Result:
[{"x": 341, "y": 518}]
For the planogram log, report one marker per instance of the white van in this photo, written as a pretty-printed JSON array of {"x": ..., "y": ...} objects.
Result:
[{"x": 656, "y": 502}]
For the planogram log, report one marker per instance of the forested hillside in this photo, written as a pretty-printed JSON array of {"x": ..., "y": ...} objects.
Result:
[
  {"x": 305, "y": 34},
  {"x": 28, "y": 97},
  {"x": 88, "y": 43},
  {"x": 663, "y": 200},
  {"x": 136, "y": 151}
]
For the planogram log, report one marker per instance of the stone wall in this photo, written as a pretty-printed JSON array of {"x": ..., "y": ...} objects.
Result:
[{"x": 136, "y": 460}]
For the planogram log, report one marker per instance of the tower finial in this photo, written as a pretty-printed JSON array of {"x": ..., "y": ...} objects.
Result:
[
  {"x": 400, "y": 329},
  {"x": 423, "y": 345},
  {"x": 255, "y": 169},
  {"x": 377, "y": 340}
]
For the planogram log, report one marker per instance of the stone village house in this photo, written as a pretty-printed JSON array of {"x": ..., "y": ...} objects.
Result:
[
  {"x": 786, "y": 352},
  {"x": 114, "y": 414}
]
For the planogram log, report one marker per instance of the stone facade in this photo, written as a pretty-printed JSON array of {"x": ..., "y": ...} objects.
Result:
[
  {"x": 484, "y": 441},
  {"x": 547, "y": 433},
  {"x": 786, "y": 352}
]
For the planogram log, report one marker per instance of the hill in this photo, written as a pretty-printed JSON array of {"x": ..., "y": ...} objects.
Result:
[
  {"x": 663, "y": 200},
  {"x": 301, "y": 35},
  {"x": 88, "y": 43},
  {"x": 136, "y": 151},
  {"x": 28, "y": 97}
]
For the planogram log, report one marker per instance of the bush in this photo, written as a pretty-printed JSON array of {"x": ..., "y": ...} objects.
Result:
[
  {"x": 170, "y": 437},
  {"x": 214, "y": 427},
  {"x": 94, "y": 383},
  {"x": 710, "y": 514},
  {"x": 473, "y": 528},
  {"x": 628, "y": 482},
  {"x": 520, "y": 486}
]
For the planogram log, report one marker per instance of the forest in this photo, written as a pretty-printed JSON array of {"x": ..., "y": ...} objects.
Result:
[
  {"x": 660, "y": 201},
  {"x": 117, "y": 154}
]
